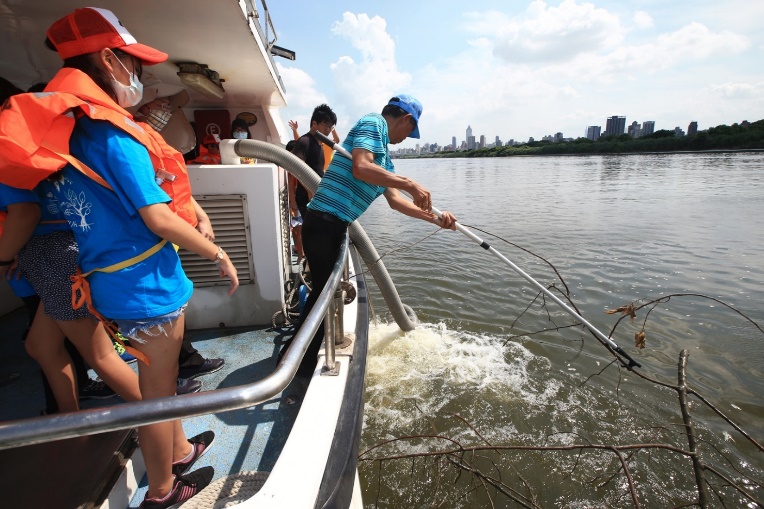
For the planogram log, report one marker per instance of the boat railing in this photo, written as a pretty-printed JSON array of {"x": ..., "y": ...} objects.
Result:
[
  {"x": 264, "y": 25},
  {"x": 127, "y": 415}
]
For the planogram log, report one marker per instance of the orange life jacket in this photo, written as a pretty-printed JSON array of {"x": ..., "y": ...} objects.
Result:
[
  {"x": 206, "y": 159},
  {"x": 35, "y": 131}
]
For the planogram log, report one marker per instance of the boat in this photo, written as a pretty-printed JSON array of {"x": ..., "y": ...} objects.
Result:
[{"x": 282, "y": 441}]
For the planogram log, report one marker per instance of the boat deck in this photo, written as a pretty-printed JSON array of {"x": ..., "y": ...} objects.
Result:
[{"x": 249, "y": 439}]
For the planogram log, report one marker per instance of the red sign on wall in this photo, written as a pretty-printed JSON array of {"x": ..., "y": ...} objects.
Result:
[{"x": 212, "y": 122}]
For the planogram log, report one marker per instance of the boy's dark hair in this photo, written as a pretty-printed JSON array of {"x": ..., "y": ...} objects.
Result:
[
  {"x": 323, "y": 113},
  {"x": 290, "y": 145},
  {"x": 391, "y": 110}
]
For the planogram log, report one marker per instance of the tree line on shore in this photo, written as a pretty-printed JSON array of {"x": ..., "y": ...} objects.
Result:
[{"x": 722, "y": 137}]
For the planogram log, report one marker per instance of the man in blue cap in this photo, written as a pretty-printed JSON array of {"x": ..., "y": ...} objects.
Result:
[{"x": 349, "y": 187}]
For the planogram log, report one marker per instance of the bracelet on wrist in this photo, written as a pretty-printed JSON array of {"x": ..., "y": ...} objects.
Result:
[
  {"x": 6, "y": 263},
  {"x": 220, "y": 256}
]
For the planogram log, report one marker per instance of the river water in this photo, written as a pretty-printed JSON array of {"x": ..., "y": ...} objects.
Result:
[{"x": 619, "y": 230}]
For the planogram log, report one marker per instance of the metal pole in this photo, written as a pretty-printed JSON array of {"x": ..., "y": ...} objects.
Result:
[
  {"x": 602, "y": 337},
  {"x": 329, "y": 362}
]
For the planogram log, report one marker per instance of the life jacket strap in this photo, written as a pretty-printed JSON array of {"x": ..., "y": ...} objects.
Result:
[
  {"x": 81, "y": 295},
  {"x": 82, "y": 167}
]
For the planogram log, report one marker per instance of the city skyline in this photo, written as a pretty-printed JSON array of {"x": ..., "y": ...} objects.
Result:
[{"x": 644, "y": 128}]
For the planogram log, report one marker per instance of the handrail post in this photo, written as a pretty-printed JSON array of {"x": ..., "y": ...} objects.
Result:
[
  {"x": 333, "y": 318},
  {"x": 330, "y": 365}
]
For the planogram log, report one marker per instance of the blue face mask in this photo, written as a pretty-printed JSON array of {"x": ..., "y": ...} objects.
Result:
[
  {"x": 240, "y": 135},
  {"x": 127, "y": 95}
]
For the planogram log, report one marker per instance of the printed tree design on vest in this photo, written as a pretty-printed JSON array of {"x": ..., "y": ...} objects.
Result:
[{"x": 75, "y": 205}]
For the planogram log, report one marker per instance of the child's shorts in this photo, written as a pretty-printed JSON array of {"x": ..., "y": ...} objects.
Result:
[{"x": 47, "y": 262}]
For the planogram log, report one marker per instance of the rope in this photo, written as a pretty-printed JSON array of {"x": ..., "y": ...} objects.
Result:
[
  {"x": 289, "y": 312},
  {"x": 228, "y": 491}
]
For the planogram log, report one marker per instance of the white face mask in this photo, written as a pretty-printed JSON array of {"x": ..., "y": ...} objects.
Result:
[
  {"x": 127, "y": 95},
  {"x": 239, "y": 135}
]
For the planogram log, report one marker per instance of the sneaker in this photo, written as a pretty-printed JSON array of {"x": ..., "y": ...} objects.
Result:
[
  {"x": 183, "y": 488},
  {"x": 187, "y": 386},
  {"x": 123, "y": 353},
  {"x": 201, "y": 443},
  {"x": 96, "y": 389},
  {"x": 209, "y": 366}
]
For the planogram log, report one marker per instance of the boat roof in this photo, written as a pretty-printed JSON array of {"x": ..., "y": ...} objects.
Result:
[{"x": 226, "y": 35}]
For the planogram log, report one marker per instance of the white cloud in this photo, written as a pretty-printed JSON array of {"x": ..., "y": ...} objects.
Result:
[
  {"x": 366, "y": 85},
  {"x": 548, "y": 34},
  {"x": 302, "y": 96},
  {"x": 301, "y": 88},
  {"x": 642, "y": 20},
  {"x": 739, "y": 90},
  {"x": 662, "y": 76}
]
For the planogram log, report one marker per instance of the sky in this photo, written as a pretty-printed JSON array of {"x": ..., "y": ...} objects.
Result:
[{"x": 521, "y": 69}]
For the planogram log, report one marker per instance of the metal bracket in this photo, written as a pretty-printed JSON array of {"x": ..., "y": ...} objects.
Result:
[
  {"x": 331, "y": 372},
  {"x": 349, "y": 290}
]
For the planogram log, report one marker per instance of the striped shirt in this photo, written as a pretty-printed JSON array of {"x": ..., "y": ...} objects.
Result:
[{"x": 343, "y": 195}]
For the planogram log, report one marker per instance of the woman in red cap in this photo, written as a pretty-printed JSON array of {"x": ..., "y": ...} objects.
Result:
[{"x": 131, "y": 274}]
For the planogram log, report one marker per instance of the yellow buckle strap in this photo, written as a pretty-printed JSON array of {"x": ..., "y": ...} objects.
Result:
[{"x": 81, "y": 294}]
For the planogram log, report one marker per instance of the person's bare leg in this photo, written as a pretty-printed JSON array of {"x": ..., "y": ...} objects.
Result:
[
  {"x": 159, "y": 442},
  {"x": 181, "y": 446},
  {"x": 92, "y": 341},
  {"x": 45, "y": 344}
]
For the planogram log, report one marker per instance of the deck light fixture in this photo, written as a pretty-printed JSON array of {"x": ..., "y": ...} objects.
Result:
[{"x": 202, "y": 79}]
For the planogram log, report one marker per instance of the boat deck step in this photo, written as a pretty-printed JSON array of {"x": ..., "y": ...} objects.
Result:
[{"x": 226, "y": 491}]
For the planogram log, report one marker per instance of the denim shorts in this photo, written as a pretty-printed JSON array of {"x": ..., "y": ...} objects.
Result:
[{"x": 131, "y": 328}]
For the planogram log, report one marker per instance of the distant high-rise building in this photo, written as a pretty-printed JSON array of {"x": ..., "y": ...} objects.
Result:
[
  {"x": 635, "y": 131},
  {"x": 692, "y": 128},
  {"x": 498, "y": 141},
  {"x": 471, "y": 145},
  {"x": 482, "y": 141},
  {"x": 593, "y": 132},
  {"x": 648, "y": 127},
  {"x": 615, "y": 125},
  {"x": 453, "y": 142},
  {"x": 558, "y": 137},
  {"x": 678, "y": 132},
  {"x": 469, "y": 132}
]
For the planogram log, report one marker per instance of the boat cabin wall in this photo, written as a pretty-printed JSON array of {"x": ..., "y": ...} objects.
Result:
[
  {"x": 246, "y": 205},
  {"x": 265, "y": 123}
]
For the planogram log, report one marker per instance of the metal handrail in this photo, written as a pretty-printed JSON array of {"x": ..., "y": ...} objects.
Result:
[
  {"x": 267, "y": 23},
  {"x": 263, "y": 32},
  {"x": 128, "y": 415}
]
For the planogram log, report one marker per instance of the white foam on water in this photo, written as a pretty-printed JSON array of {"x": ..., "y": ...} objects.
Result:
[{"x": 426, "y": 370}]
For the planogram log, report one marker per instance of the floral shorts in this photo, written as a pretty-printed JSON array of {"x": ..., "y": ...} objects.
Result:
[{"x": 46, "y": 262}]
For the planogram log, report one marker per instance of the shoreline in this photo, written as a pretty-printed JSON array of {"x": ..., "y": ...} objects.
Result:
[{"x": 710, "y": 151}]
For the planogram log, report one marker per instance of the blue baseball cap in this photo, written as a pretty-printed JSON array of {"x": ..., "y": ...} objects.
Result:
[{"x": 411, "y": 105}]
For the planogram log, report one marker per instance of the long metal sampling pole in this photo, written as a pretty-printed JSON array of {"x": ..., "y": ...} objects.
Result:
[{"x": 602, "y": 337}]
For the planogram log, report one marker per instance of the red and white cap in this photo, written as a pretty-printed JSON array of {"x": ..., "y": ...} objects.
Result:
[{"x": 91, "y": 29}]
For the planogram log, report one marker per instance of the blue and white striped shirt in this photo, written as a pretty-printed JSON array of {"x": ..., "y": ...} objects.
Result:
[{"x": 343, "y": 195}]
